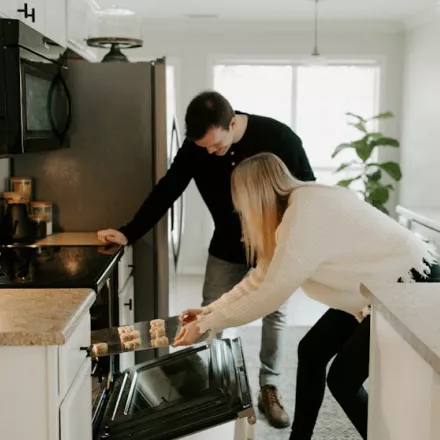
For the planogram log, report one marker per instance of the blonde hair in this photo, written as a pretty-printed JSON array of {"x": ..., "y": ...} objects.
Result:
[{"x": 261, "y": 187}]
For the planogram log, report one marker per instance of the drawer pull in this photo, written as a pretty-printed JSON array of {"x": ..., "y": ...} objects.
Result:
[{"x": 129, "y": 304}]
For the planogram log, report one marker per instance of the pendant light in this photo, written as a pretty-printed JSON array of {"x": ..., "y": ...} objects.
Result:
[{"x": 315, "y": 59}]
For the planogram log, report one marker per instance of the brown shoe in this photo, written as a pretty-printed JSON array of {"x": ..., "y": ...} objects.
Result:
[{"x": 269, "y": 403}]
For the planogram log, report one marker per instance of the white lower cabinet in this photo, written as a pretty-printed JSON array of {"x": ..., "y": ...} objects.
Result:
[{"x": 76, "y": 408}]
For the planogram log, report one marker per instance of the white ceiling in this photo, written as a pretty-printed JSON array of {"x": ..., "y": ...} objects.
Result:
[{"x": 295, "y": 10}]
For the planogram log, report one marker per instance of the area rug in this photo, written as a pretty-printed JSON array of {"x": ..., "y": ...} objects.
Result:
[{"x": 332, "y": 422}]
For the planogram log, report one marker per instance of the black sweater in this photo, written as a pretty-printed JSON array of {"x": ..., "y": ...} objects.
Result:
[{"x": 212, "y": 175}]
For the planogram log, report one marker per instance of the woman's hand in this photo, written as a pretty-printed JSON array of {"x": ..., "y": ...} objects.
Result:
[
  {"x": 112, "y": 236},
  {"x": 188, "y": 335},
  {"x": 189, "y": 315}
]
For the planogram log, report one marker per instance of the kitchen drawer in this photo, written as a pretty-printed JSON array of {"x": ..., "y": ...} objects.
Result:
[
  {"x": 71, "y": 357},
  {"x": 125, "y": 267},
  {"x": 426, "y": 233}
]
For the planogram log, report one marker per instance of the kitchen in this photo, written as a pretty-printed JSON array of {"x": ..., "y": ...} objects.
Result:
[{"x": 73, "y": 179}]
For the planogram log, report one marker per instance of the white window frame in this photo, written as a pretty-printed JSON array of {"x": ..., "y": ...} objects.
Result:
[{"x": 296, "y": 61}]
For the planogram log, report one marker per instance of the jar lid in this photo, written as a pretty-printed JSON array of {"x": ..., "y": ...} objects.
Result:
[
  {"x": 40, "y": 204},
  {"x": 13, "y": 196},
  {"x": 20, "y": 179}
]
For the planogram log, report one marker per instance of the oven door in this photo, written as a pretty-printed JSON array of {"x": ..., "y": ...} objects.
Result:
[{"x": 179, "y": 394}]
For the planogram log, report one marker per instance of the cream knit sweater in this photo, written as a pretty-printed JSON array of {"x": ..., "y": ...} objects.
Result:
[{"x": 329, "y": 242}]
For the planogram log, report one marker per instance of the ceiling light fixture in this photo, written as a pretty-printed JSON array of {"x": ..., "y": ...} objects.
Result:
[{"x": 315, "y": 59}]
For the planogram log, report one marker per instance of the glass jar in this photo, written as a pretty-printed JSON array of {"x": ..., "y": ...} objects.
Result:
[
  {"x": 23, "y": 186},
  {"x": 44, "y": 210}
]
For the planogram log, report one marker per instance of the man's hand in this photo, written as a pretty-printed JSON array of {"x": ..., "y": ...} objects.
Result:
[
  {"x": 112, "y": 236},
  {"x": 188, "y": 334},
  {"x": 189, "y": 315}
]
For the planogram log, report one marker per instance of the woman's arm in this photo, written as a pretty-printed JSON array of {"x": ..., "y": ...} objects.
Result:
[{"x": 298, "y": 253}]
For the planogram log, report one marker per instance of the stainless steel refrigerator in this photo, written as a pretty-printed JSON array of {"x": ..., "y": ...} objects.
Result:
[{"x": 122, "y": 140}]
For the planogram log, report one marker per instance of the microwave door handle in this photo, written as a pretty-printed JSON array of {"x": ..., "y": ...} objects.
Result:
[
  {"x": 58, "y": 134},
  {"x": 69, "y": 105}
]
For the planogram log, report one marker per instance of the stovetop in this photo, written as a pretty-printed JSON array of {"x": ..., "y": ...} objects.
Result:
[{"x": 56, "y": 266}]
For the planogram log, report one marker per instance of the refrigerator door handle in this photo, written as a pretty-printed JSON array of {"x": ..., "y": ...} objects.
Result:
[{"x": 176, "y": 244}]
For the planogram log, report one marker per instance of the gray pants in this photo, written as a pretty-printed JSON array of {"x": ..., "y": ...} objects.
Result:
[{"x": 220, "y": 277}]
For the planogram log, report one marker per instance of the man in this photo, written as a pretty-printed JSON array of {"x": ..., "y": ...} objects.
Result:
[{"x": 217, "y": 139}]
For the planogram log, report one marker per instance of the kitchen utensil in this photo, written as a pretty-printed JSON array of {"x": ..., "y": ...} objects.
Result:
[
  {"x": 18, "y": 227},
  {"x": 106, "y": 342}
]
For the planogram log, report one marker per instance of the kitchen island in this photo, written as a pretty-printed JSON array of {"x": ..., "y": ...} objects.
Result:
[{"x": 404, "y": 384}]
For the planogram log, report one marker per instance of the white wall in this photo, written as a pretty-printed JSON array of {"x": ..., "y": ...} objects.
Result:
[
  {"x": 193, "y": 50},
  {"x": 421, "y": 117}
]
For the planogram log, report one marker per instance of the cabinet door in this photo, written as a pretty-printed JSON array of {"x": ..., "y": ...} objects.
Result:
[
  {"x": 126, "y": 316},
  {"x": 33, "y": 13},
  {"x": 76, "y": 409},
  {"x": 56, "y": 28},
  {"x": 8, "y": 8},
  {"x": 78, "y": 16}
]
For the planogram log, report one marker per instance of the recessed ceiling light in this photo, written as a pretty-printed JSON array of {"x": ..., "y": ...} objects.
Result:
[{"x": 115, "y": 11}]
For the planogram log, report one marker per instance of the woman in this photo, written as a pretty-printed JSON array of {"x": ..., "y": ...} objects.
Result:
[{"x": 328, "y": 241}]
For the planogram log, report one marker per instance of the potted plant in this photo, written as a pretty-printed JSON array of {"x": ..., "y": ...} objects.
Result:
[{"x": 375, "y": 191}]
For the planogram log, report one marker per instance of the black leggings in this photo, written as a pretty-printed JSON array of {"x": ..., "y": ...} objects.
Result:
[{"x": 336, "y": 333}]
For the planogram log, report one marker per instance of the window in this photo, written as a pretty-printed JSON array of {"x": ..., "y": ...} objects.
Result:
[
  {"x": 258, "y": 89},
  {"x": 324, "y": 96},
  {"x": 312, "y": 100}
]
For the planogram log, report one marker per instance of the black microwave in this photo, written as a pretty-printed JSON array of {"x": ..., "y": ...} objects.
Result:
[{"x": 35, "y": 104}]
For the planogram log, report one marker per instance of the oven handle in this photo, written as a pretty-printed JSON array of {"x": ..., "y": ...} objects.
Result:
[{"x": 59, "y": 78}]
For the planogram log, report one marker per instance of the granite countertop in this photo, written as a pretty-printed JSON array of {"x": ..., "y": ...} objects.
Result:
[
  {"x": 413, "y": 310},
  {"x": 71, "y": 239},
  {"x": 428, "y": 216},
  {"x": 41, "y": 316}
]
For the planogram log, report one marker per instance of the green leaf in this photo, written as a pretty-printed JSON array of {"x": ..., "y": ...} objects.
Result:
[
  {"x": 356, "y": 116},
  {"x": 341, "y": 147},
  {"x": 347, "y": 182},
  {"x": 392, "y": 169},
  {"x": 379, "y": 195},
  {"x": 364, "y": 151},
  {"x": 344, "y": 165},
  {"x": 384, "y": 142},
  {"x": 360, "y": 126},
  {"x": 384, "y": 115},
  {"x": 376, "y": 176},
  {"x": 375, "y": 135}
]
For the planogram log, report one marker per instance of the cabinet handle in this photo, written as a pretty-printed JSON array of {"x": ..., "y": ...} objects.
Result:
[
  {"x": 26, "y": 12},
  {"x": 129, "y": 304}
]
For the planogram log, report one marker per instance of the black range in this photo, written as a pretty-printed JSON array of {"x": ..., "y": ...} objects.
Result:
[{"x": 57, "y": 266}]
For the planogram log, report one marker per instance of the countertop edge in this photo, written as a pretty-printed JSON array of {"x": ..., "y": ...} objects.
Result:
[
  {"x": 418, "y": 215},
  {"x": 76, "y": 317},
  {"x": 406, "y": 333}
]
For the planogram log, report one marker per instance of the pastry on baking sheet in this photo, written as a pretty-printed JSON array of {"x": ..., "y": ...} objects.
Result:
[
  {"x": 134, "y": 343},
  {"x": 99, "y": 349},
  {"x": 157, "y": 323},
  {"x": 161, "y": 341},
  {"x": 129, "y": 336},
  {"x": 125, "y": 329}
]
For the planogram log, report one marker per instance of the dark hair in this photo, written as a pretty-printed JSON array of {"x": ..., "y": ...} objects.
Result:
[{"x": 207, "y": 110}]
